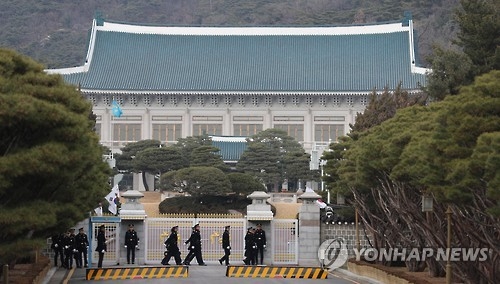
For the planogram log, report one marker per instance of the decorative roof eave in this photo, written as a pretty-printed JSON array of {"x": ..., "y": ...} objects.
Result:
[
  {"x": 255, "y": 31},
  {"x": 247, "y": 93},
  {"x": 229, "y": 138},
  {"x": 88, "y": 58},
  {"x": 420, "y": 70}
]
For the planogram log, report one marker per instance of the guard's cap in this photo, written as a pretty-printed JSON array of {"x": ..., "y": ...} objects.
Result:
[
  {"x": 227, "y": 227},
  {"x": 102, "y": 226},
  {"x": 196, "y": 225},
  {"x": 259, "y": 225},
  {"x": 130, "y": 225},
  {"x": 81, "y": 229}
]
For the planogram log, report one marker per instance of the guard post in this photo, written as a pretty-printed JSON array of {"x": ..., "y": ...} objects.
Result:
[{"x": 99, "y": 220}]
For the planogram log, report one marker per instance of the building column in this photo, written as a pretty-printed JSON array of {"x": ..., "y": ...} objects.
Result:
[{"x": 309, "y": 229}]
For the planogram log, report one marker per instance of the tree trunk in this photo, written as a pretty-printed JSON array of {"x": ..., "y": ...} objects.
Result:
[{"x": 144, "y": 181}]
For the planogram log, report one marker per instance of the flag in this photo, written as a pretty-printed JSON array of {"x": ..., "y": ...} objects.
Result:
[
  {"x": 321, "y": 204},
  {"x": 98, "y": 211},
  {"x": 112, "y": 195},
  {"x": 116, "y": 109}
]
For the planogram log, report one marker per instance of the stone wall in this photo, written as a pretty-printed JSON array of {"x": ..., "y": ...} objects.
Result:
[{"x": 347, "y": 232}]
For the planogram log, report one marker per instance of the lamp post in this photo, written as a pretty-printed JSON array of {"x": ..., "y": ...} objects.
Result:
[
  {"x": 356, "y": 219},
  {"x": 448, "y": 244}
]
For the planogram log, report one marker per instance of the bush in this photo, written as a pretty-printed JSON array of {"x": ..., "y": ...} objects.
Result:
[{"x": 204, "y": 204}]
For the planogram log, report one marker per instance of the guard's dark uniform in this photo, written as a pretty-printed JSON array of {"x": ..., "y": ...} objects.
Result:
[
  {"x": 101, "y": 245},
  {"x": 82, "y": 246},
  {"x": 260, "y": 240},
  {"x": 69, "y": 249},
  {"x": 131, "y": 240},
  {"x": 250, "y": 247},
  {"x": 172, "y": 248},
  {"x": 194, "y": 242},
  {"x": 226, "y": 246},
  {"x": 57, "y": 246}
]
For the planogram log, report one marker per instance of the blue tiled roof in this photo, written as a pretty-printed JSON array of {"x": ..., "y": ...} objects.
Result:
[
  {"x": 260, "y": 63},
  {"x": 230, "y": 150}
]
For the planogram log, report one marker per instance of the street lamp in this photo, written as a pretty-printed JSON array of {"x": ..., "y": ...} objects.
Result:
[{"x": 356, "y": 219}]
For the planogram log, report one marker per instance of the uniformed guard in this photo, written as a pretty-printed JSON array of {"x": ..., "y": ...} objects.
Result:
[
  {"x": 226, "y": 246},
  {"x": 82, "y": 246},
  {"x": 69, "y": 247},
  {"x": 172, "y": 248},
  {"x": 260, "y": 240},
  {"x": 57, "y": 246},
  {"x": 101, "y": 247},
  {"x": 194, "y": 242},
  {"x": 250, "y": 246},
  {"x": 131, "y": 241}
]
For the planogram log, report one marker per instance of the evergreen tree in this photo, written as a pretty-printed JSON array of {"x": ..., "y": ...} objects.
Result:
[
  {"x": 273, "y": 156},
  {"x": 478, "y": 42},
  {"x": 51, "y": 167}
]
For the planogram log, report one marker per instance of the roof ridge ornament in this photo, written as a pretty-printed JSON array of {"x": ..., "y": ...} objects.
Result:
[
  {"x": 99, "y": 19},
  {"x": 407, "y": 17}
]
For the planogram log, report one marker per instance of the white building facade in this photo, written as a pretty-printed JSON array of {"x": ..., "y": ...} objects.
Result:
[{"x": 175, "y": 82}]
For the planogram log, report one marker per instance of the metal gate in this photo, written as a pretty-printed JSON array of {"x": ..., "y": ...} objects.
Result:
[
  {"x": 112, "y": 233},
  {"x": 285, "y": 248},
  {"x": 211, "y": 229}
]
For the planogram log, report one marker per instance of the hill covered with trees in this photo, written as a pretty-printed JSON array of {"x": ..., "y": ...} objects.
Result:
[{"x": 55, "y": 33}]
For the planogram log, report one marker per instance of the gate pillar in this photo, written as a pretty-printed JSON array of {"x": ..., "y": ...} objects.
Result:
[
  {"x": 259, "y": 212},
  {"x": 309, "y": 229},
  {"x": 132, "y": 213}
]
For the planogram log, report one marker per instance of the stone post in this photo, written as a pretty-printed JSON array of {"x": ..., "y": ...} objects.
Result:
[
  {"x": 259, "y": 212},
  {"x": 132, "y": 212},
  {"x": 309, "y": 229}
]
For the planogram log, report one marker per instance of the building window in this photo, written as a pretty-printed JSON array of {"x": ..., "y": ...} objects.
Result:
[
  {"x": 201, "y": 99},
  {"x": 294, "y": 130},
  {"x": 167, "y": 132},
  {"x": 187, "y": 100},
  {"x": 207, "y": 118},
  {"x": 364, "y": 100},
  {"x": 208, "y": 129},
  {"x": 247, "y": 118},
  {"x": 329, "y": 118},
  {"x": 268, "y": 100},
  {"x": 124, "y": 133},
  {"x": 309, "y": 100},
  {"x": 350, "y": 100},
  {"x": 246, "y": 129},
  {"x": 241, "y": 100},
  {"x": 173, "y": 100},
  {"x": 161, "y": 100},
  {"x": 227, "y": 100},
  {"x": 92, "y": 98},
  {"x": 255, "y": 100},
  {"x": 288, "y": 118},
  {"x": 133, "y": 99},
  {"x": 97, "y": 130},
  {"x": 106, "y": 99},
  {"x": 119, "y": 99},
  {"x": 323, "y": 101},
  {"x": 336, "y": 100},
  {"x": 214, "y": 100},
  {"x": 282, "y": 100},
  {"x": 147, "y": 99},
  {"x": 328, "y": 132}
]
